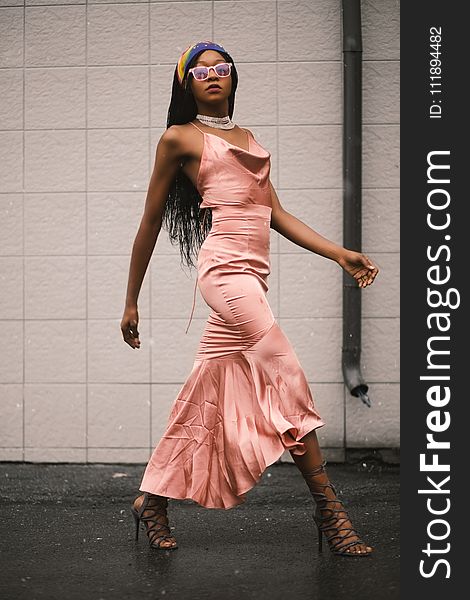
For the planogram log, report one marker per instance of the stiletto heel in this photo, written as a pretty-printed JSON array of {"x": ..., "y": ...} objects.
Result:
[
  {"x": 157, "y": 530},
  {"x": 137, "y": 522},
  {"x": 320, "y": 535},
  {"x": 331, "y": 521}
]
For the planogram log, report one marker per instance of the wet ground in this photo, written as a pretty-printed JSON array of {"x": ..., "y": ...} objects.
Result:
[{"x": 67, "y": 533}]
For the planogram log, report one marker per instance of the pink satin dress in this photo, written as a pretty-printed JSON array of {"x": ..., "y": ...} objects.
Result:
[{"x": 247, "y": 398}]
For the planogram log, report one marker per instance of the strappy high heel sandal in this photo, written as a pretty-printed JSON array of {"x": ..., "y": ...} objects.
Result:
[
  {"x": 155, "y": 520},
  {"x": 328, "y": 519}
]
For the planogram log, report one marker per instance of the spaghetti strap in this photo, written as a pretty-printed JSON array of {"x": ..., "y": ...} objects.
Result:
[
  {"x": 196, "y": 126},
  {"x": 245, "y": 130}
]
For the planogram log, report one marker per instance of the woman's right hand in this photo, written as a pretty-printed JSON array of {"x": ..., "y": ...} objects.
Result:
[{"x": 129, "y": 323}]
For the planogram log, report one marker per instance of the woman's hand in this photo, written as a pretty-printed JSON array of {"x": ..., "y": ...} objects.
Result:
[
  {"x": 129, "y": 323},
  {"x": 359, "y": 266}
]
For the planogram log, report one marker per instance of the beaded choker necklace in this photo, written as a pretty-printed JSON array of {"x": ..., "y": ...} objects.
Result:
[{"x": 217, "y": 122}]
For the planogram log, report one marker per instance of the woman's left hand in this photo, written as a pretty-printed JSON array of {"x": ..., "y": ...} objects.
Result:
[{"x": 359, "y": 266}]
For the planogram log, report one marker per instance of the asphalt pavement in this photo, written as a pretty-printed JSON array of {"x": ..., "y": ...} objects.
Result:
[{"x": 67, "y": 533}]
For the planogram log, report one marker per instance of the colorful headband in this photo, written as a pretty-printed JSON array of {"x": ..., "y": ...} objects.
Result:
[{"x": 189, "y": 54}]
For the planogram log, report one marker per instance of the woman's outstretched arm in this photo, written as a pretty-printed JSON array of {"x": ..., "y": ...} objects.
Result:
[
  {"x": 358, "y": 265},
  {"x": 167, "y": 159}
]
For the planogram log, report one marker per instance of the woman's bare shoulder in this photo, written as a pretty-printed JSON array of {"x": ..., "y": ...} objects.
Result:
[
  {"x": 179, "y": 137},
  {"x": 172, "y": 136}
]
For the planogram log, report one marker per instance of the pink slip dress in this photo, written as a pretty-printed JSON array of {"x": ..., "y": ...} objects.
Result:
[{"x": 246, "y": 399}]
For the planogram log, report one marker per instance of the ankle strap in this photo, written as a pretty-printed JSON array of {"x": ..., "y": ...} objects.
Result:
[{"x": 316, "y": 470}]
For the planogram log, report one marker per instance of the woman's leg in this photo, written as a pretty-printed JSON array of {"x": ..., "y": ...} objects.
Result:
[{"x": 311, "y": 461}]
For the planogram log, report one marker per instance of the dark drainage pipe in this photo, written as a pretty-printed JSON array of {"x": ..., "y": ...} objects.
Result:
[{"x": 352, "y": 200}]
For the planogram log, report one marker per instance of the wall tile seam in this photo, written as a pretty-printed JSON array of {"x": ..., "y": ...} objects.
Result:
[
  {"x": 92, "y": 2},
  {"x": 90, "y": 383},
  {"x": 202, "y": 319},
  {"x": 113, "y": 384},
  {"x": 312, "y": 382},
  {"x": 290, "y": 319},
  {"x": 149, "y": 269},
  {"x": 298, "y": 253},
  {"x": 111, "y": 319},
  {"x": 120, "y": 448},
  {"x": 132, "y": 128},
  {"x": 124, "y": 448},
  {"x": 23, "y": 185},
  {"x": 86, "y": 231},
  {"x": 121, "y": 191},
  {"x": 282, "y": 125},
  {"x": 276, "y": 145},
  {"x": 298, "y": 125},
  {"x": 164, "y": 64}
]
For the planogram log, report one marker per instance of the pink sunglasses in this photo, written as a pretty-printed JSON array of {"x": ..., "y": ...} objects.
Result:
[{"x": 201, "y": 73}]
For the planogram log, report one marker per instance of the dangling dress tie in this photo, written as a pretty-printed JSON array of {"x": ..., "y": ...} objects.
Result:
[{"x": 195, "y": 282}]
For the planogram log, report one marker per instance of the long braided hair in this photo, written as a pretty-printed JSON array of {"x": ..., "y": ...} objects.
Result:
[{"x": 181, "y": 215}]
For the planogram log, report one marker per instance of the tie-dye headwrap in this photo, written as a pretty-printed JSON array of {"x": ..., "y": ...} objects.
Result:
[{"x": 190, "y": 52}]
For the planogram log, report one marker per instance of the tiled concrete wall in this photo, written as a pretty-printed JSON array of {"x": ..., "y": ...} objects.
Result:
[{"x": 85, "y": 92}]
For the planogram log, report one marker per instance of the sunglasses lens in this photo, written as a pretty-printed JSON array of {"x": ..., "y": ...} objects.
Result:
[
  {"x": 222, "y": 69},
  {"x": 200, "y": 73}
]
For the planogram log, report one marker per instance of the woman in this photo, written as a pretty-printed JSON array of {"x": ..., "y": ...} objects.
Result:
[{"x": 246, "y": 399}]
